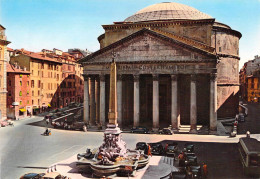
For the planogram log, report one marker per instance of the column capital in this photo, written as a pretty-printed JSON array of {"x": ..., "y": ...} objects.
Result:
[
  {"x": 119, "y": 77},
  {"x": 213, "y": 76},
  {"x": 102, "y": 77},
  {"x": 92, "y": 77},
  {"x": 86, "y": 77},
  {"x": 155, "y": 77},
  {"x": 136, "y": 78},
  {"x": 174, "y": 77},
  {"x": 193, "y": 77}
]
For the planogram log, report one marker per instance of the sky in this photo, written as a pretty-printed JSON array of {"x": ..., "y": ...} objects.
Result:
[{"x": 63, "y": 24}]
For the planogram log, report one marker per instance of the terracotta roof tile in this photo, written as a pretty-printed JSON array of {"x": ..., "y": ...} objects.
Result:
[{"x": 12, "y": 69}]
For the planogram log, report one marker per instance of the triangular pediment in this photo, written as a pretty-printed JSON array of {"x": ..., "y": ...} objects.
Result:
[{"x": 146, "y": 45}]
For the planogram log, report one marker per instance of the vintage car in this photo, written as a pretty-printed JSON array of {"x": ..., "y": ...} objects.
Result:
[
  {"x": 241, "y": 117},
  {"x": 193, "y": 172},
  {"x": 157, "y": 148},
  {"x": 190, "y": 159},
  {"x": 4, "y": 123},
  {"x": 57, "y": 124},
  {"x": 171, "y": 148},
  {"x": 166, "y": 131},
  {"x": 75, "y": 125},
  {"x": 189, "y": 148},
  {"x": 142, "y": 130},
  {"x": 141, "y": 146},
  {"x": 32, "y": 176}
]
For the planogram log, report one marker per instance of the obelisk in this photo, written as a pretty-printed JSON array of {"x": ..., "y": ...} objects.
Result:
[{"x": 112, "y": 113}]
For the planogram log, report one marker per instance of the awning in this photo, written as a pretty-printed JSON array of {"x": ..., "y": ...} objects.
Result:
[
  {"x": 49, "y": 105},
  {"x": 22, "y": 110}
]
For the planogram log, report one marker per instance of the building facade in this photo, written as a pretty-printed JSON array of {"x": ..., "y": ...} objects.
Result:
[
  {"x": 19, "y": 92},
  {"x": 249, "y": 73},
  {"x": 53, "y": 78},
  {"x": 3, "y": 74},
  {"x": 174, "y": 68}
]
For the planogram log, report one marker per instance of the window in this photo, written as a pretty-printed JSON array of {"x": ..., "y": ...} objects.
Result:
[
  {"x": 21, "y": 75},
  {"x": 27, "y": 101},
  {"x": 42, "y": 74},
  {"x": 252, "y": 84},
  {"x": 20, "y": 93},
  {"x": 32, "y": 72},
  {"x": 21, "y": 83},
  {"x": 38, "y": 92},
  {"x": 42, "y": 65},
  {"x": 39, "y": 83},
  {"x": 38, "y": 102},
  {"x": 20, "y": 102},
  {"x": 27, "y": 92},
  {"x": 32, "y": 93},
  {"x": 32, "y": 83},
  {"x": 10, "y": 82},
  {"x": 27, "y": 83},
  {"x": 219, "y": 49},
  {"x": 32, "y": 101},
  {"x": 57, "y": 76}
]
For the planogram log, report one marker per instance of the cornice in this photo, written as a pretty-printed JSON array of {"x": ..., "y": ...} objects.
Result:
[
  {"x": 152, "y": 62},
  {"x": 231, "y": 31},
  {"x": 156, "y": 24},
  {"x": 228, "y": 56}
]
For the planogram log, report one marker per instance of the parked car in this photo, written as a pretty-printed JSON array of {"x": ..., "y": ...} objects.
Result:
[
  {"x": 241, "y": 117},
  {"x": 166, "y": 131},
  {"x": 171, "y": 149},
  {"x": 4, "y": 123},
  {"x": 189, "y": 148},
  {"x": 190, "y": 159},
  {"x": 142, "y": 130},
  {"x": 57, "y": 124},
  {"x": 157, "y": 148},
  {"x": 141, "y": 146},
  {"x": 32, "y": 176},
  {"x": 193, "y": 172},
  {"x": 75, "y": 125}
]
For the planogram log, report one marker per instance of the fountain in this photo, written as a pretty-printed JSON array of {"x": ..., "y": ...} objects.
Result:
[{"x": 112, "y": 158}]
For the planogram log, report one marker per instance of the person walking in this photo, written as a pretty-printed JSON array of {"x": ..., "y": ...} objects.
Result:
[
  {"x": 181, "y": 159},
  {"x": 204, "y": 170}
]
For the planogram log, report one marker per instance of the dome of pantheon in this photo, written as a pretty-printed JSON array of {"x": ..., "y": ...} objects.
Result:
[{"x": 167, "y": 11}]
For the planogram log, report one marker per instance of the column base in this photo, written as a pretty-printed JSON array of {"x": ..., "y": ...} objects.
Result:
[
  {"x": 193, "y": 131},
  {"x": 155, "y": 129},
  {"x": 211, "y": 132},
  {"x": 175, "y": 130}
]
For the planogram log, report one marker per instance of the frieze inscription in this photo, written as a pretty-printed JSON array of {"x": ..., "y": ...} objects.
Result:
[
  {"x": 150, "y": 67},
  {"x": 153, "y": 68}
]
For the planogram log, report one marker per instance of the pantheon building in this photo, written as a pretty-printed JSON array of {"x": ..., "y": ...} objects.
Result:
[{"x": 176, "y": 66}]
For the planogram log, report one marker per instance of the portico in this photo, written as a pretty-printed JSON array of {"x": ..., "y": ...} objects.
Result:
[{"x": 158, "y": 95}]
